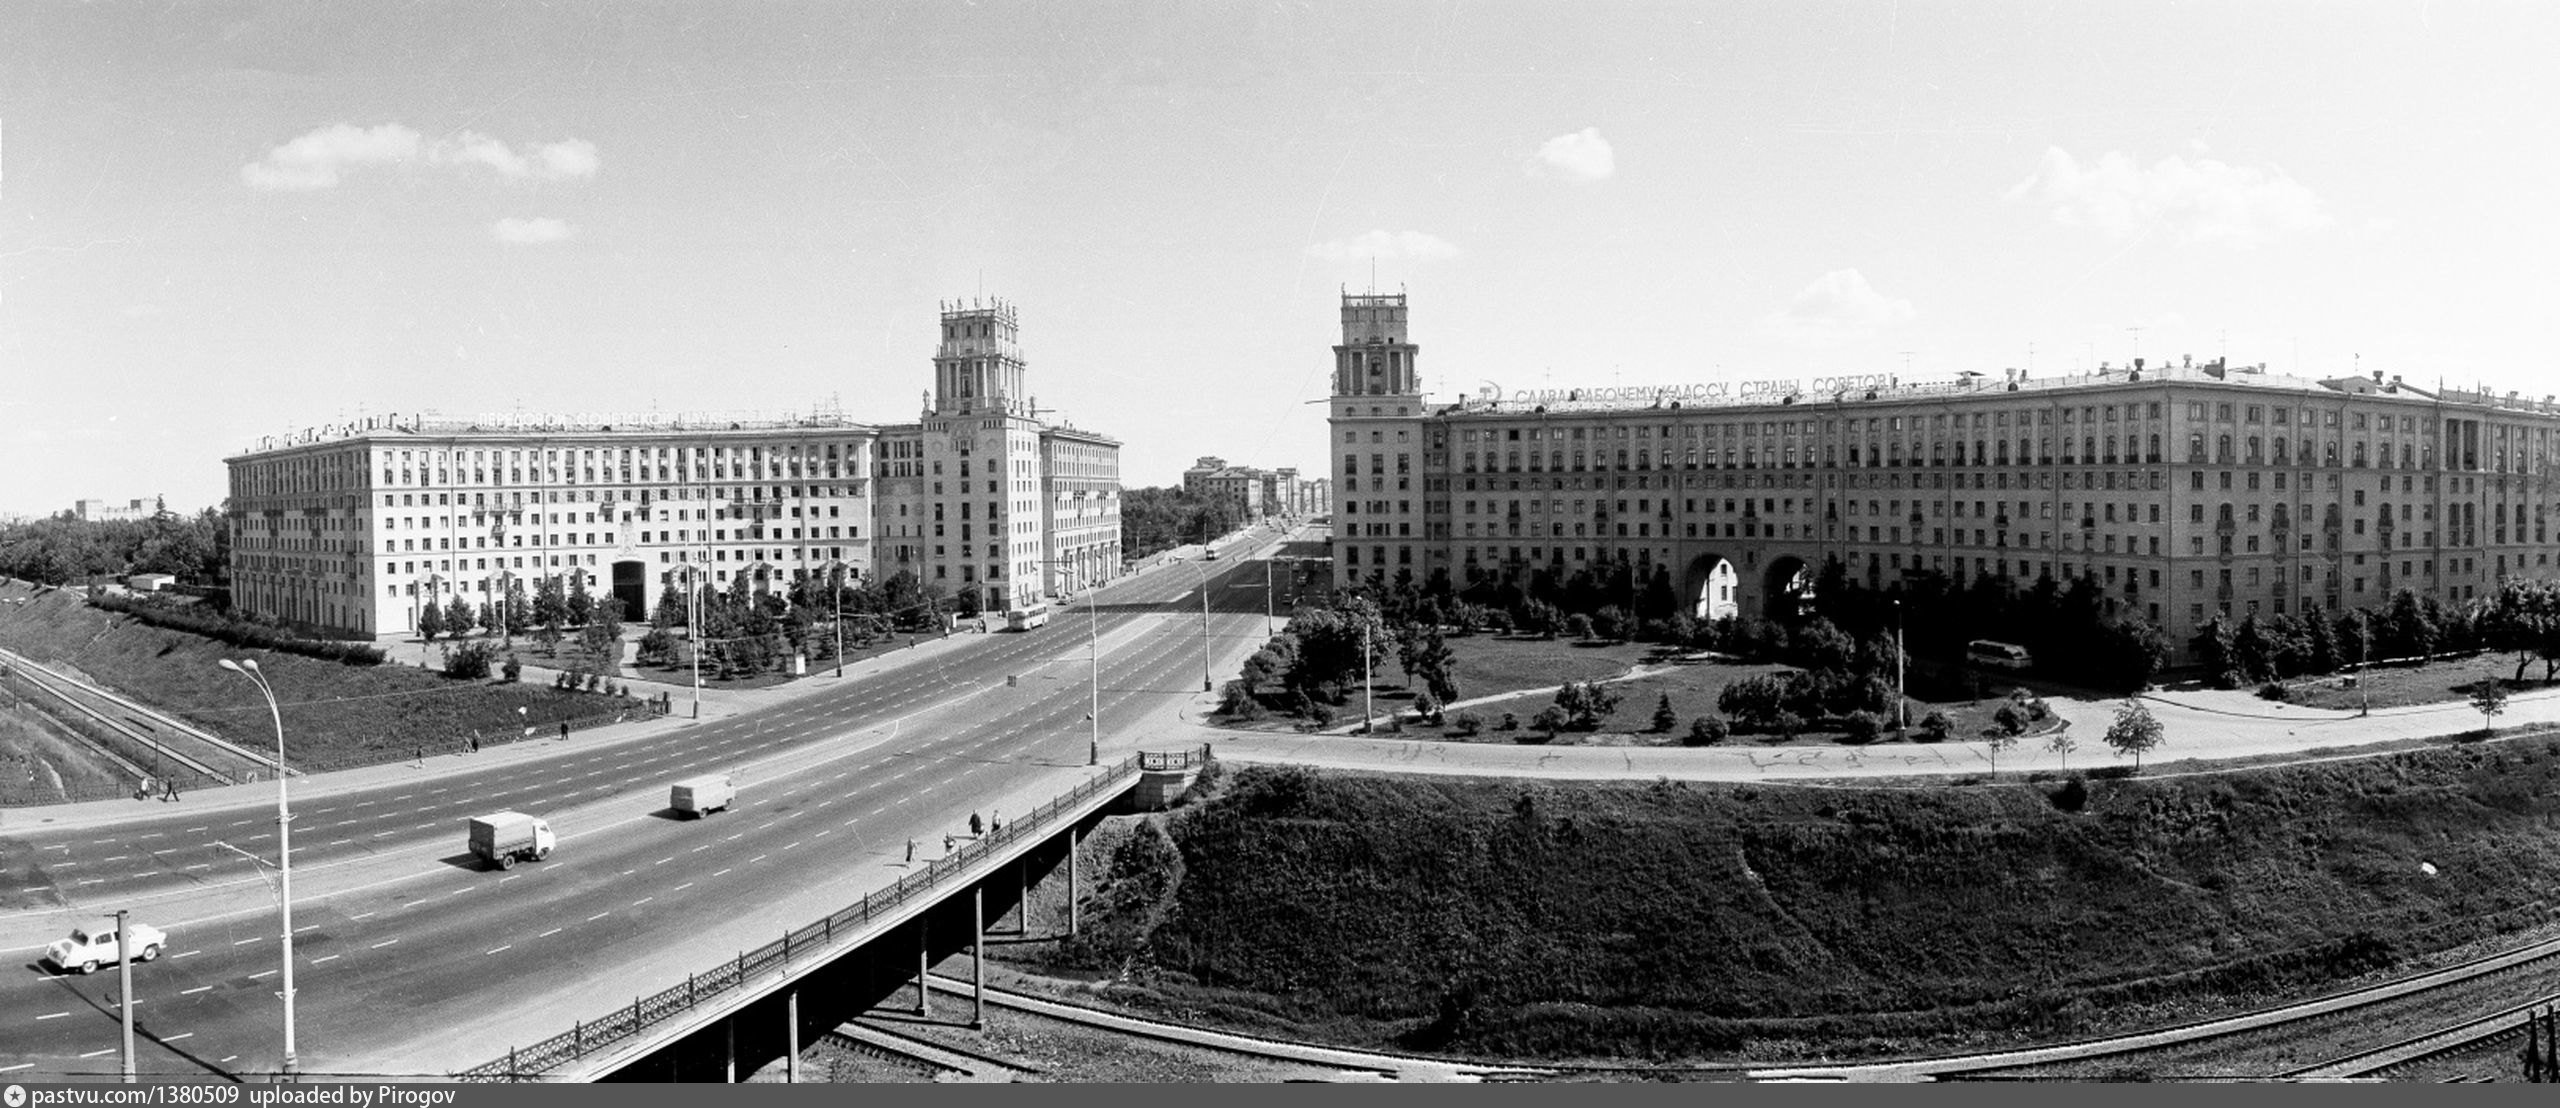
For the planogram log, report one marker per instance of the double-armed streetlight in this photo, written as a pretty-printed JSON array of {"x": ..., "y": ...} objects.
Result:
[{"x": 248, "y": 667}]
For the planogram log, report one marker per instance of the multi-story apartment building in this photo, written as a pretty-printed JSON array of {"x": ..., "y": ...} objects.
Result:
[
  {"x": 2184, "y": 492},
  {"x": 101, "y": 511},
  {"x": 979, "y": 495},
  {"x": 353, "y": 528}
]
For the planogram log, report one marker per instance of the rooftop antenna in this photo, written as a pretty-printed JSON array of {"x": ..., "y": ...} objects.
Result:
[
  {"x": 2137, "y": 341},
  {"x": 1373, "y": 275},
  {"x": 1906, "y": 363}
]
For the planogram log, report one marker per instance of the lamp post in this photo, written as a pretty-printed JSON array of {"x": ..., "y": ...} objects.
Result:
[
  {"x": 248, "y": 667},
  {"x": 1903, "y": 710},
  {"x": 1093, "y": 637},
  {"x": 124, "y": 974},
  {"x": 1207, "y": 683}
]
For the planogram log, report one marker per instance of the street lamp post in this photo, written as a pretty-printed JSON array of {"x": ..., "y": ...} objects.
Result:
[
  {"x": 1093, "y": 637},
  {"x": 1207, "y": 683},
  {"x": 124, "y": 982},
  {"x": 248, "y": 667},
  {"x": 1901, "y": 707}
]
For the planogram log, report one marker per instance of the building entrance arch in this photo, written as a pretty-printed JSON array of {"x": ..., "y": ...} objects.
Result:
[
  {"x": 1786, "y": 587},
  {"x": 631, "y": 589}
]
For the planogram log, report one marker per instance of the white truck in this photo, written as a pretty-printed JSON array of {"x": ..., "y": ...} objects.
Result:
[
  {"x": 506, "y": 837},
  {"x": 86, "y": 950},
  {"x": 703, "y": 795}
]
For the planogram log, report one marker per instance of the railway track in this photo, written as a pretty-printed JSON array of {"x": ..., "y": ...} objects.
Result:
[
  {"x": 122, "y": 713},
  {"x": 2204, "y": 1041},
  {"x": 2468, "y": 1037}
]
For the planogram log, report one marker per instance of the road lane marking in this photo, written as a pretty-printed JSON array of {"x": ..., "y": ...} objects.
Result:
[
  {"x": 193, "y": 991},
  {"x": 199, "y": 865},
  {"x": 175, "y": 1038},
  {"x": 548, "y": 934},
  {"x": 682, "y": 887},
  {"x": 191, "y": 830},
  {"x": 95, "y": 1053},
  {"x": 15, "y": 1068},
  {"x": 325, "y": 958},
  {"x": 55, "y": 1016},
  {"x": 663, "y": 861},
  {"x": 189, "y": 954},
  {"x": 500, "y": 950},
  {"x": 642, "y": 900},
  {"x": 383, "y": 943},
  {"x": 700, "y": 849},
  {"x": 509, "y": 877},
  {"x": 721, "y": 873},
  {"x": 262, "y": 973},
  {"x": 360, "y": 915},
  {"x": 247, "y": 941},
  {"x": 299, "y": 930},
  {"x": 598, "y": 916},
  {"x": 758, "y": 858}
]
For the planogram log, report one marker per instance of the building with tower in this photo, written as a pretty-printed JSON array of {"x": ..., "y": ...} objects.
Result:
[
  {"x": 982, "y": 497},
  {"x": 2184, "y": 492},
  {"x": 351, "y": 529}
]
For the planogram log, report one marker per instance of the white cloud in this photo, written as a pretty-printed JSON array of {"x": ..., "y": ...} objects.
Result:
[
  {"x": 317, "y": 159},
  {"x": 1836, "y": 307},
  {"x": 550, "y": 161},
  {"x": 2200, "y": 201},
  {"x": 1581, "y": 156},
  {"x": 313, "y": 160},
  {"x": 530, "y": 231},
  {"x": 1385, "y": 246}
]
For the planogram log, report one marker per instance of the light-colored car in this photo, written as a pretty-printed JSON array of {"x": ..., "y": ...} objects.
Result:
[{"x": 85, "y": 950}]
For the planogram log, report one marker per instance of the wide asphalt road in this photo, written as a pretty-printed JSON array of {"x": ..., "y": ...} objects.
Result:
[{"x": 412, "y": 960}]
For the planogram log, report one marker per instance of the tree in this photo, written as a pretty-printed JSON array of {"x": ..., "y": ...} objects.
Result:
[
  {"x": 2489, "y": 698},
  {"x": 469, "y": 661},
  {"x": 2405, "y": 627},
  {"x": 458, "y": 617},
  {"x": 1550, "y": 719},
  {"x": 1578, "y": 625},
  {"x": 430, "y": 621},
  {"x": 582, "y": 607},
  {"x": 1935, "y": 727},
  {"x": 2062, "y": 744},
  {"x": 1664, "y": 719},
  {"x": 550, "y": 603},
  {"x": 2134, "y": 731},
  {"x": 1998, "y": 744}
]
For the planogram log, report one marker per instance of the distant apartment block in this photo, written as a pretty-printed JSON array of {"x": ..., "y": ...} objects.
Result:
[
  {"x": 102, "y": 511},
  {"x": 1263, "y": 492},
  {"x": 354, "y": 528}
]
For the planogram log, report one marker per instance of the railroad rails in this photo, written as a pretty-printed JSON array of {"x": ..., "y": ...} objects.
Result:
[
  {"x": 2270, "y": 1030},
  {"x": 2468, "y": 1037}
]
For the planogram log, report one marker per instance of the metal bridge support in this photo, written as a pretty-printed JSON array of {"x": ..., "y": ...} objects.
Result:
[
  {"x": 1071, "y": 880},
  {"x": 924, "y": 965},
  {"x": 1022, "y": 907},
  {"x": 791, "y": 1036},
  {"x": 978, "y": 958},
  {"x": 729, "y": 1049}
]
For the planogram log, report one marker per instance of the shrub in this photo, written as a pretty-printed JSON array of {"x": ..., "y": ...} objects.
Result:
[
  {"x": 1708, "y": 731},
  {"x": 1552, "y": 719},
  {"x": 1935, "y": 727},
  {"x": 1317, "y": 712},
  {"x": 469, "y": 661},
  {"x": 2111, "y": 773},
  {"x": 2072, "y": 796},
  {"x": 1467, "y": 723},
  {"x": 513, "y": 670},
  {"x": 1664, "y": 719},
  {"x": 2010, "y": 720},
  {"x": 1860, "y": 727},
  {"x": 1786, "y": 724},
  {"x": 2275, "y": 691},
  {"x": 1509, "y": 722}
]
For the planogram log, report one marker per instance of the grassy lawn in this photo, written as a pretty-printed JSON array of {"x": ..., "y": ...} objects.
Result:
[
  {"x": 334, "y": 715},
  {"x": 2393, "y": 686},
  {"x": 41, "y": 762}
]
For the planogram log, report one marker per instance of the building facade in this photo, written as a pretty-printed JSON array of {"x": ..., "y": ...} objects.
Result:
[
  {"x": 101, "y": 511},
  {"x": 2184, "y": 492},
  {"x": 353, "y": 529}
]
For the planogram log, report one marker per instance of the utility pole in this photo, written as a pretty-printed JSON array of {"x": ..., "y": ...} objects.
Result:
[
  {"x": 1368, "y": 689},
  {"x": 835, "y": 585}
]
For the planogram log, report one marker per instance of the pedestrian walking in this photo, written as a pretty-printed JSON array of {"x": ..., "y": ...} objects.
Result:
[
  {"x": 475, "y": 740},
  {"x": 564, "y": 730},
  {"x": 946, "y": 844},
  {"x": 974, "y": 826},
  {"x": 995, "y": 821},
  {"x": 422, "y": 755},
  {"x": 171, "y": 784}
]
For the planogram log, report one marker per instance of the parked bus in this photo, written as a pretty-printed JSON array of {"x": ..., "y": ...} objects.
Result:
[
  {"x": 1998, "y": 655},
  {"x": 1024, "y": 619}
]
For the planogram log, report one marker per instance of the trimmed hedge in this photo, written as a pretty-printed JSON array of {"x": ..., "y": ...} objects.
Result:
[{"x": 220, "y": 627}]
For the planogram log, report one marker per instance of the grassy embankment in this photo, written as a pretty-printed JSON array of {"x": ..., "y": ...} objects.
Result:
[
  {"x": 334, "y": 715},
  {"x": 1712, "y": 922}
]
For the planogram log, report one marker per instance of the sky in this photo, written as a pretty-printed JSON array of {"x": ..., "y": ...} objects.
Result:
[{"x": 220, "y": 221}]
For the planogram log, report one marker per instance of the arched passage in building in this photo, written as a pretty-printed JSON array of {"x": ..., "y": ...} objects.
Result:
[
  {"x": 631, "y": 589},
  {"x": 1786, "y": 587},
  {"x": 1713, "y": 587}
]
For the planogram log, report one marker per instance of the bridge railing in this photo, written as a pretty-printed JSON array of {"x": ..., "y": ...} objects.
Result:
[
  {"x": 771, "y": 959},
  {"x": 1154, "y": 760}
]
